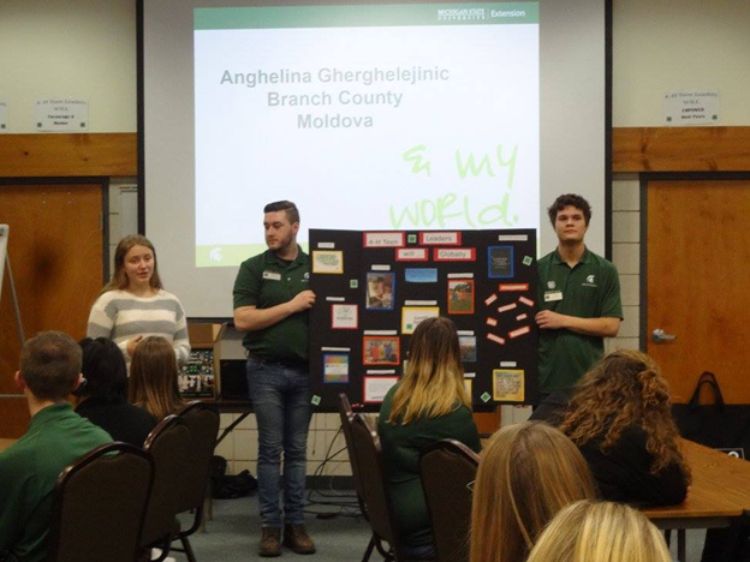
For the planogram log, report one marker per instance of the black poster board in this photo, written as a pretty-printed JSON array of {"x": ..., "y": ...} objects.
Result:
[{"x": 373, "y": 288}]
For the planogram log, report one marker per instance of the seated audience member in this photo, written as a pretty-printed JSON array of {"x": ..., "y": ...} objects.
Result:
[
  {"x": 600, "y": 531},
  {"x": 153, "y": 378},
  {"x": 104, "y": 396},
  {"x": 620, "y": 417},
  {"x": 50, "y": 370},
  {"x": 428, "y": 404},
  {"x": 527, "y": 473}
]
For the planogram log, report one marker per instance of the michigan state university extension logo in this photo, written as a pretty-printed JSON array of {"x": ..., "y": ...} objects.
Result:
[{"x": 590, "y": 281}]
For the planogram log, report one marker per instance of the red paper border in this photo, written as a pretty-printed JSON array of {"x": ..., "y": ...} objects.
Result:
[
  {"x": 366, "y": 233},
  {"x": 473, "y": 295},
  {"x": 425, "y": 250},
  {"x": 436, "y": 252},
  {"x": 422, "y": 241},
  {"x": 390, "y": 364}
]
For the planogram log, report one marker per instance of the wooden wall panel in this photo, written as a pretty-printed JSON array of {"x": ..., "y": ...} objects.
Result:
[
  {"x": 68, "y": 155},
  {"x": 680, "y": 149},
  {"x": 634, "y": 149},
  {"x": 55, "y": 248},
  {"x": 14, "y": 416}
]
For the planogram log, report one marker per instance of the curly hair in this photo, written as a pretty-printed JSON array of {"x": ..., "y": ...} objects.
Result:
[
  {"x": 569, "y": 200},
  {"x": 625, "y": 389}
]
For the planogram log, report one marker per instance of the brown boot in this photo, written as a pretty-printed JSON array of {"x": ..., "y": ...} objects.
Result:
[
  {"x": 269, "y": 542},
  {"x": 297, "y": 539}
]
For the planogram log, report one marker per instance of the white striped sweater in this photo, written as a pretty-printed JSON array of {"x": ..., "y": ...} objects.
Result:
[{"x": 121, "y": 316}]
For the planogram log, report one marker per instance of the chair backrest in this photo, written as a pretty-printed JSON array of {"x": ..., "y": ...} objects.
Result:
[
  {"x": 169, "y": 445},
  {"x": 447, "y": 469},
  {"x": 202, "y": 420},
  {"x": 98, "y": 505},
  {"x": 368, "y": 457},
  {"x": 347, "y": 416}
]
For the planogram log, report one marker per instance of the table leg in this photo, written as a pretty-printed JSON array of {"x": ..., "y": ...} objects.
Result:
[
  {"x": 231, "y": 426},
  {"x": 681, "y": 555}
]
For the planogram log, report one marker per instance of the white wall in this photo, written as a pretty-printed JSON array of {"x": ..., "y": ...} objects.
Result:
[
  {"x": 86, "y": 49},
  {"x": 662, "y": 45},
  {"x": 80, "y": 49}
]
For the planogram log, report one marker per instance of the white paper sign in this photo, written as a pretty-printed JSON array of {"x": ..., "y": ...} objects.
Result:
[
  {"x": 61, "y": 115},
  {"x": 344, "y": 316},
  {"x": 691, "y": 108},
  {"x": 3, "y": 117},
  {"x": 375, "y": 388}
]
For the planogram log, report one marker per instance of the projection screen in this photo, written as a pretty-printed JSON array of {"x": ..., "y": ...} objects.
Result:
[{"x": 368, "y": 116}]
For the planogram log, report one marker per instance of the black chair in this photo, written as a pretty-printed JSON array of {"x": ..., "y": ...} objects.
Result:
[
  {"x": 379, "y": 509},
  {"x": 347, "y": 416},
  {"x": 169, "y": 445},
  {"x": 99, "y": 504},
  {"x": 448, "y": 469},
  {"x": 202, "y": 420}
]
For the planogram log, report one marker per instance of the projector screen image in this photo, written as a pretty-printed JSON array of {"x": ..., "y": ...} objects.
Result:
[
  {"x": 369, "y": 116},
  {"x": 379, "y": 117}
]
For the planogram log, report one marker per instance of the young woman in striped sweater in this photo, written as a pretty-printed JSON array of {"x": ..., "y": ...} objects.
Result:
[{"x": 134, "y": 305}]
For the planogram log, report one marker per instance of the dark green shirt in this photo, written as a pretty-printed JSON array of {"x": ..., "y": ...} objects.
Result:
[
  {"x": 591, "y": 289},
  {"x": 402, "y": 445},
  {"x": 264, "y": 281},
  {"x": 29, "y": 468}
]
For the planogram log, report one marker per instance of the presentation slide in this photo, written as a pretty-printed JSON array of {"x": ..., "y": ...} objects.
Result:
[
  {"x": 387, "y": 116},
  {"x": 456, "y": 115}
]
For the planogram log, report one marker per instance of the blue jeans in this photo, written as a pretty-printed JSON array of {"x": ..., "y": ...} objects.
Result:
[{"x": 281, "y": 401}]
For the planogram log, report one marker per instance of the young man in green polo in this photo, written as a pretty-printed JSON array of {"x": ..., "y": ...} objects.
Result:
[
  {"x": 50, "y": 370},
  {"x": 579, "y": 299},
  {"x": 271, "y": 303}
]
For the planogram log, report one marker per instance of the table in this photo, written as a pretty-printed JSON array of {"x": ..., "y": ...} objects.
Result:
[
  {"x": 720, "y": 492},
  {"x": 235, "y": 406}
]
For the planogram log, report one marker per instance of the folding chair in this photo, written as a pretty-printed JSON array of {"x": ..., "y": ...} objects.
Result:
[
  {"x": 447, "y": 469},
  {"x": 169, "y": 445},
  {"x": 202, "y": 420},
  {"x": 375, "y": 495},
  {"x": 99, "y": 504},
  {"x": 347, "y": 415}
]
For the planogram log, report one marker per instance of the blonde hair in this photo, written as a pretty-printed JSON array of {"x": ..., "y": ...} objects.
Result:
[
  {"x": 527, "y": 473},
  {"x": 153, "y": 378},
  {"x": 433, "y": 382},
  {"x": 600, "y": 532},
  {"x": 624, "y": 389}
]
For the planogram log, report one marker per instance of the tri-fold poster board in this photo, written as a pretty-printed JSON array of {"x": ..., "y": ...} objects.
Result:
[{"x": 374, "y": 287}]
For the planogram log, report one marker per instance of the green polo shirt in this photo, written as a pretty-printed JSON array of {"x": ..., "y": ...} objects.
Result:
[
  {"x": 29, "y": 468},
  {"x": 264, "y": 281},
  {"x": 591, "y": 289}
]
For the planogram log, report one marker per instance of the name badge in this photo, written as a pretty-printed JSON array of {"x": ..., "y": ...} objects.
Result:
[
  {"x": 272, "y": 275},
  {"x": 553, "y": 296}
]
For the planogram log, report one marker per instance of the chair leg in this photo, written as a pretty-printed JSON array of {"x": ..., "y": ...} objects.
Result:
[
  {"x": 188, "y": 549},
  {"x": 208, "y": 511},
  {"x": 369, "y": 549}
]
